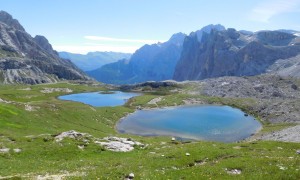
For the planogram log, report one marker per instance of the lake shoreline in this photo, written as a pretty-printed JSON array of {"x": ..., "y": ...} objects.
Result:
[
  {"x": 257, "y": 136},
  {"x": 188, "y": 134}
]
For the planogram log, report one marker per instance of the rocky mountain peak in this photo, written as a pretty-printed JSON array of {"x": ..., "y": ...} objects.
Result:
[
  {"x": 24, "y": 59},
  {"x": 154, "y": 62},
  {"x": 234, "y": 53},
  {"x": 44, "y": 44},
  {"x": 10, "y": 21},
  {"x": 177, "y": 38},
  {"x": 232, "y": 33},
  {"x": 207, "y": 29}
]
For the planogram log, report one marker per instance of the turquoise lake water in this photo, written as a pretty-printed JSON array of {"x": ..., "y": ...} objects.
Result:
[
  {"x": 210, "y": 123},
  {"x": 98, "y": 99}
]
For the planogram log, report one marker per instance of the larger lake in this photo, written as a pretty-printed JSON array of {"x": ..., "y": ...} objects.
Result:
[
  {"x": 100, "y": 99},
  {"x": 211, "y": 123}
]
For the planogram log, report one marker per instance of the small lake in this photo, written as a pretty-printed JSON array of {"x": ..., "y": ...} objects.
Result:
[
  {"x": 101, "y": 99},
  {"x": 203, "y": 122}
]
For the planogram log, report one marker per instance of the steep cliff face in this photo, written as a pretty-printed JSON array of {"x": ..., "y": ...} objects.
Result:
[
  {"x": 233, "y": 53},
  {"x": 154, "y": 62},
  {"x": 24, "y": 59}
]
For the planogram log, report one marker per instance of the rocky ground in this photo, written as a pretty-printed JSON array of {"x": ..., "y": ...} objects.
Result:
[
  {"x": 291, "y": 134},
  {"x": 274, "y": 99},
  {"x": 277, "y": 98},
  {"x": 115, "y": 144}
]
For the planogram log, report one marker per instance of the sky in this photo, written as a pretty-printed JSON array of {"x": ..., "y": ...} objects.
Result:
[{"x": 82, "y": 26}]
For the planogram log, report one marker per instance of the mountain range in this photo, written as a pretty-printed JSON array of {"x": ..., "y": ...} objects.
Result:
[
  {"x": 93, "y": 60},
  {"x": 24, "y": 59},
  {"x": 236, "y": 53},
  {"x": 210, "y": 52},
  {"x": 154, "y": 62}
]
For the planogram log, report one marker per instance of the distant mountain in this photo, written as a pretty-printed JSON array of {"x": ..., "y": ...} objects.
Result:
[
  {"x": 24, "y": 59},
  {"x": 296, "y": 33},
  {"x": 93, "y": 60},
  {"x": 154, "y": 62},
  {"x": 207, "y": 29},
  {"x": 237, "y": 53}
]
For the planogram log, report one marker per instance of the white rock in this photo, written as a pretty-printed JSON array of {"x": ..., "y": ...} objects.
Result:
[
  {"x": 51, "y": 90},
  {"x": 119, "y": 144},
  {"x": 81, "y": 147},
  {"x": 234, "y": 171},
  {"x": 131, "y": 176},
  {"x": 4, "y": 150},
  {"x": 129, "y": 142},
  {"x": 224, "y": 83},
  {"x": 282, "y": 168},
  {"x": 138, "y": 143},
  {"x": 4, "y": 101},
  {"x": 17, "y": 150},
  {"x": 173, "y": 139},
  {"x": 155, "y": 100},
  {"x": 31, "y": 108},
  {"x": 187, "y": 154},
  {"x": 70, "y": 134}
]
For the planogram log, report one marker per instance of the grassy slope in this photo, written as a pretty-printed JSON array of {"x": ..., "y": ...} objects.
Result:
[{"x": 42, "y": 155}]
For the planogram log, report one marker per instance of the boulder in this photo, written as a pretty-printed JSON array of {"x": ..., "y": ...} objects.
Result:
[
  {"x": 234, "y": 171},
  {"x": 70, "y": 134},
  {"x": 17, "y": 150},
  {"x": 4, "y": 150},
  {"x": 117, "y": 144}
]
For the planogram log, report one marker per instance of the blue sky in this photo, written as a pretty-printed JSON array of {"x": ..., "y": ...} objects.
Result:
[{"x": 125, "y": 25}]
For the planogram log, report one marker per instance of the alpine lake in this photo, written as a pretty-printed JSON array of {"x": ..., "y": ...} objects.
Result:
[{"x": 196, "y": 122}]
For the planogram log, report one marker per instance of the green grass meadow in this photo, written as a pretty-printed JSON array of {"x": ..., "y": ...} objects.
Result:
[{"x": 33, "y": 131}]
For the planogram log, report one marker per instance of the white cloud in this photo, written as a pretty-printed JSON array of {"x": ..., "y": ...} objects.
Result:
[
  {"x": 99, "y": 38},
  {"x": 270, "y": 8},
  {"x": 83, "y": 49}
]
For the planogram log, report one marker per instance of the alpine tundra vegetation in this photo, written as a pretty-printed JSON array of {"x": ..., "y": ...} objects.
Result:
[{"x": 44, "y": 135}]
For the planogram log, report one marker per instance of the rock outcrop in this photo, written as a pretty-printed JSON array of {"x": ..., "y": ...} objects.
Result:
[
  {"x": 71, "y": 134},
  {"x": 8, "y": 19},
  {"x": 275, "y": 99},
  {"x": 24, "y": 59},
  {"x": 286, "y": 67},
  {"x": 286, "y": 135},
  {"x": 233, "y": 53},
  {"x": 119, "y": 144},
  {"x": 115, "y": 144}
]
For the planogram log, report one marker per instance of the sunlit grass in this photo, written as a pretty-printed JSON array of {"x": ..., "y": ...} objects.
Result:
[{"x": 32, "y": 132}]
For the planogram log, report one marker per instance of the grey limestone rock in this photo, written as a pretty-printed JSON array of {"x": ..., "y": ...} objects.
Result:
[
  {"x": 28, "y": 60},
  {"x": 234, "y": 53}
]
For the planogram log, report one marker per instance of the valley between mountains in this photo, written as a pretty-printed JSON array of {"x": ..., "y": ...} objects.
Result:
[{"x": 42, "y": 137}]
